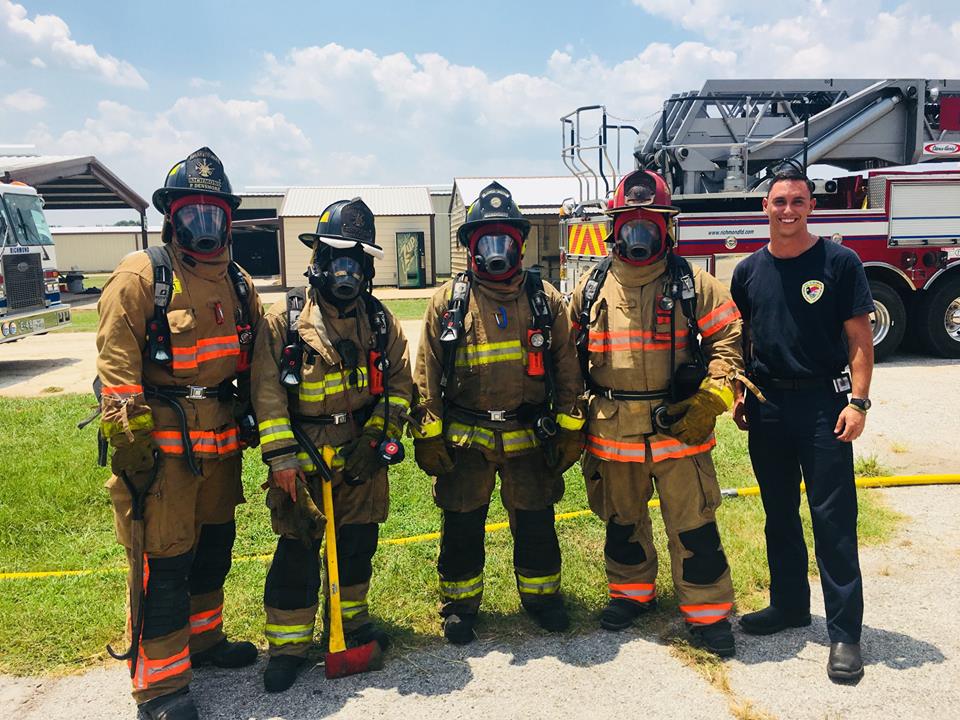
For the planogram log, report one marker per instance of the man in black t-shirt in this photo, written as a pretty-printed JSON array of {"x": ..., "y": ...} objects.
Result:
[{"x": 805, "y": 304}]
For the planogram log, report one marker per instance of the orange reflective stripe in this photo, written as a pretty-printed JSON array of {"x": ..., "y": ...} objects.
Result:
[
  {"x": 203, "y": 441},
  {"x": 719, "y": 318},
  {"x": 616, "y": 450},
  {"x": 206, "y": 349},
  {"x": 122, "y": 389},
  {"x": 638, "y": 592},
  {"x": 204, "y": 621},
  {"x": 706, "y": 614},
  {"x": 153, "y": 671},
  {"x": 620, "y": 340},
  {"x": 670, "y": 448}
]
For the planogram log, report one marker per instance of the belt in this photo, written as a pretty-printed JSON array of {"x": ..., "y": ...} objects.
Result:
[
  {"x": 341, "y": 418},
  {"x": 611, "y": 394},
  {"x": 224, "y": 392},
  {"x": 525, "y": 413},
  {"x": 840, "y": 384}
]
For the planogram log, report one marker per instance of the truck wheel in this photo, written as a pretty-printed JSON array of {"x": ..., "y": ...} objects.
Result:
[
  {"x": 889, "y": 320},
  {"x": 940, "y": 328}
]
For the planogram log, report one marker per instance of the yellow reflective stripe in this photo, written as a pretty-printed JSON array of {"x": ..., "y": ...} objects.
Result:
[
  {"x": 487, "y": 353},
  {"x": 306, "y": 464},
  {"x": 139, "y": 422},
  {"x": 331, "y": 384},
  {"x": 468, "y": 435},
  {"x": 273, "y": 430},
  {"x": 288, "y": 634},
  {"x": 427, "y": 430},
  {"x": 544, "y": 585},
  {"x": 724, "y": 392},
  {"x": 351, "y": 608},
  {"x": 568, "y": 422},
  {"x": 460, "y": 589},
  {"x": 517, "y": 440}
]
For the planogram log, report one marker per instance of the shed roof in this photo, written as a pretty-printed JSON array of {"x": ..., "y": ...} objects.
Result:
[
  {"x": 71, "y": 182},
  {"x": 382, "y": 199},
  {"x": 534, "y": 195}
]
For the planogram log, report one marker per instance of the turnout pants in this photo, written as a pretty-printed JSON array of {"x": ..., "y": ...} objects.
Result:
[
  {"x": 291, "y": 595},
  {"x": 791, "y": 436},
  {"x": 189, "y": 534},
  {"x": 528, "y": 490},
  {"x": 689, "y": 496}
]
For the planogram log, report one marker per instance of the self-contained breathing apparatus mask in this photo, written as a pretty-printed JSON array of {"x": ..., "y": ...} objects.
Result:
[
  {"x": 201, "y": 225},
  {"x": 496, "y": 255},
  {"x": 339, "y": 274},
  {"x": 641, "y": 240}
]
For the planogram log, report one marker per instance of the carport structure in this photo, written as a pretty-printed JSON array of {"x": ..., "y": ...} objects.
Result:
[{"x": 74, "y": 183}]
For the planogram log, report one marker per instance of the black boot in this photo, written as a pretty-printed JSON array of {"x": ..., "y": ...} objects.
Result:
[
  {"x": 845, "y": 663},
  {"x": 368, "y": 632},
  {"x": 620, "y": 613},
  {"x": 226, "y": 654},
  {"x": 281, "y": 672},
  {"x": 458, "y": 629},
  {"x": 175, "y": 706},
  {"x": 716, "y": 638},
  {"x": 550, "y": 614},
  {"x": 772, "y": 620}
]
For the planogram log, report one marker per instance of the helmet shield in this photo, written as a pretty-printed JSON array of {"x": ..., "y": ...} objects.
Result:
[
  {"x": 201, "y": 225},
  {"x": 640, "y": 241}
]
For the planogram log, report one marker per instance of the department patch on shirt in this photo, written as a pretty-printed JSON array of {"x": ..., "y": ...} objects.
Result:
[{"x": 812, "y": 291}]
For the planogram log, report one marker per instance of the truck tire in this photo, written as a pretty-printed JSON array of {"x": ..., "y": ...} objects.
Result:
[
  {"x": 889, "y": 320},
  {"x": 940, "y": 319}
]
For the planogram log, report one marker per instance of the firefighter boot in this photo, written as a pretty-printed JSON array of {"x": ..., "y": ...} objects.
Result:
[
  {"x": 772, "y": 620},
  {"x": 620, "y": 613},
  {"x": 368, "y": 632},
  {"x": 845, "y": 663},
  {"x": 226, "y": 654},
  {"x": 175, "y": 706},
  {"x": 716, "y": 638},
  {"x": 458, "y": 629},
  {"x": 281, "y": 672},
  {"x": 550, "y": 614}
]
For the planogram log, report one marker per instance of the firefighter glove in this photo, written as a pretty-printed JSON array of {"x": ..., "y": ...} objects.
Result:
[
  {"x": 569, "y": 447},
  {"x": 361, "y": 457},
  {"x": 134, "y": 457},
  {"x": 697, "y": 416},
  {"x": 309, "y": 521},
  {"x": 432, "y": 455}
]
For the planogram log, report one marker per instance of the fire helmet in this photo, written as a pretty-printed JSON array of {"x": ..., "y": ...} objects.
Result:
[
  {"x": 642, "y": 218},
  {"x": 494, "y": 234},
  {"x": 343, "y": 250},
  {"x": 197, "y": 203}
]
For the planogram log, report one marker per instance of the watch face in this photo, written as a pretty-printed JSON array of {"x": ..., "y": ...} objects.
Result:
[{"x": 862, "y": 403}]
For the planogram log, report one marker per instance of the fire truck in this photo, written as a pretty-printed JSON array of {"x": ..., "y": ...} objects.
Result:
[
  {"x": 886, "y": 192},
  {"x": 29, "y": 282}
]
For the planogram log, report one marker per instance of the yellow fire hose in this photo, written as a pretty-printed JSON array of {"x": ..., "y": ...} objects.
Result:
[{"x": 865, "y": 482}]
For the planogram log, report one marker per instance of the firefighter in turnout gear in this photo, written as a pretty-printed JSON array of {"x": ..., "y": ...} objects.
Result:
[
  {"x": 653, "y": 394},
  {"x": 499, "y": 391},
  {"x": 330, "y": 364},
  {"x": 174, "y": 335}
]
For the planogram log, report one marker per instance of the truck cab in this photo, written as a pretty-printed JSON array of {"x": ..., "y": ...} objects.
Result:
[{"x": 29, "y": 283}]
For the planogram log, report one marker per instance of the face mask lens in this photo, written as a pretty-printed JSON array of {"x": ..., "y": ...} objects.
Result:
[
  {"x": 201, "y": 228},
  {"x": 640, "y": 240},
  {"x": 346, "y": 277},
  {"x": 497, "y": 254}
]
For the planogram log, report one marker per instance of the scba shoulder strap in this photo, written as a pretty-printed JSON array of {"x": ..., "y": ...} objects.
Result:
[{"x": 158, "y": 328}]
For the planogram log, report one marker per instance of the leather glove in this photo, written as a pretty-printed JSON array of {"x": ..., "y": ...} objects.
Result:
[
  {"x": 569, "y": 447},
  {"x": 308, "y": 520},
  {"x": 698, "y": 416},
  {"x": 432, "y": 455},
  {"x": 135, "y": 457},
  {"x": 360, "y": 455}
]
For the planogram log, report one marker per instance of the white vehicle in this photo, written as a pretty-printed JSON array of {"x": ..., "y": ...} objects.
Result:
[{"x": 29, "y": 282}]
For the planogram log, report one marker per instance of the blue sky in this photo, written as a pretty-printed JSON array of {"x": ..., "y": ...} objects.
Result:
[{"x": 294, "y": 93}]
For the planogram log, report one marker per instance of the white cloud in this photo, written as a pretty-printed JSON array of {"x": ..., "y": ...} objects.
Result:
[
  {"x": 38, "y": 63},
  {"x": 25, "y": 101},
  {"x": 49, "y": 36},
  {"x": 200, "y": 83}
]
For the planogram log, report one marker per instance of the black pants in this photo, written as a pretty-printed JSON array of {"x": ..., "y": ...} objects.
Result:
[{"x": 792, "y": 434}]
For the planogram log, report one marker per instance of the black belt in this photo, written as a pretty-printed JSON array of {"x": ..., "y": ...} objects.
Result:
[
  {"x": 224, "y": 392},
  {"x": 360, "y": 415},
  {"x": 525, "y": 413},
  {"x": 839, "y": 384},
  {"x": 611, "y": 394}
]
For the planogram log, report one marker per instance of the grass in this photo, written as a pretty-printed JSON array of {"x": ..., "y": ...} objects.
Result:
[
  {"x": 55, "y": 514},
  {"x": 405, "y": 309}
]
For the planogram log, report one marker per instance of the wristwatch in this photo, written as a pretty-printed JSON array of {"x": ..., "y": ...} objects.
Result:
[{"x": 861, "y": 404}]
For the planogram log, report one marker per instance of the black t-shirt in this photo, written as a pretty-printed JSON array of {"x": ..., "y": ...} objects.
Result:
[{"x": 796, "y": 309}]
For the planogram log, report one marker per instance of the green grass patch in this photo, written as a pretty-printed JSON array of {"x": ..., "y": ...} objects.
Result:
[
  {"x": 407, "y": 308},
  {"x": 55, "y": 514},
  {"x": 82, "y": 321}
]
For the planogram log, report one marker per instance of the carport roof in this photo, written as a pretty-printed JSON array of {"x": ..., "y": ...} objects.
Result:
[
  {"x": 534, "y": 195},
  {"x": 382, "y": 199},
  {"x": 71, "y": 182}
]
